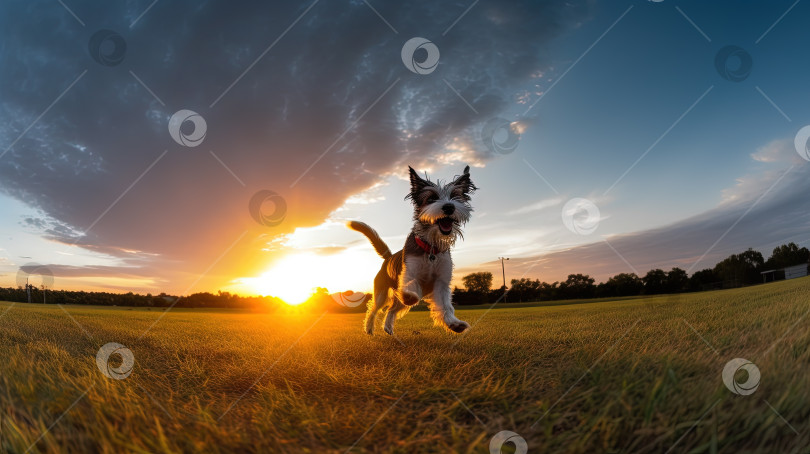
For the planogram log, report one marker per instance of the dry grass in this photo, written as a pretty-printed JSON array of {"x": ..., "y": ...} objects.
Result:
[{"x": 624, "y": 376}]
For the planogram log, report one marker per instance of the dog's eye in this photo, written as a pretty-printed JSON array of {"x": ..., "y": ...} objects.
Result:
[
  {"x": 432, "y": 199},
  {"x": 460, "y": 196}
]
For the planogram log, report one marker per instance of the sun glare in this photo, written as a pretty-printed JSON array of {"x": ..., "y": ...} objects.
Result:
[{"x": 295, "y": 277}]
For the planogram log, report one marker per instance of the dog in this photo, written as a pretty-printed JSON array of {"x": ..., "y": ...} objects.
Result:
[{"x": 423, "y": 269}]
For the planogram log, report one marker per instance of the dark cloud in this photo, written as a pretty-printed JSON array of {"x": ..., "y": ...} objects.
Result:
[{"x": 269, "y": 127}]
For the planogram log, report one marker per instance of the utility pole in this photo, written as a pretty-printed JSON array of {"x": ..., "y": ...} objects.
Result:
[
  {"x": 28, "y": 289},
  {"x": 503, "y": 272}
]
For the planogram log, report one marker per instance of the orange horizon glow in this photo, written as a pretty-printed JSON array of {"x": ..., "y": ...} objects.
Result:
[{"x": 295, "y": 277}]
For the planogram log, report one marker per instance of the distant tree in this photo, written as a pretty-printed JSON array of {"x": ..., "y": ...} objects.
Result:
[
  {"x": 578, "y": 286},
  {"x": 462, "y": 297},
  {"x": 550, "y": 291},
  {"x": 525, "y": 289},
  {"x": 478, "y": 282},
  {"x": 740, "y": 269},
  {"x": 702, "y": 280},
  {"x": 677, "y": 281},
  {"x": 655, "y": 282},
  {"x": 752, "y": 258},
  {"x": 623, "y": 284},
  {"x": 787, "y": 255}
]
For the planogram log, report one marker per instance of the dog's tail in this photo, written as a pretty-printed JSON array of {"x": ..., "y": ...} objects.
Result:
[{"x": 373, "y": 236}]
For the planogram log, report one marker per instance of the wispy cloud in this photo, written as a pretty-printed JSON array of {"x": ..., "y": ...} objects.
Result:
[
  {"x": 781, "y": 150},
  {"x": 775, "y": 217},
  {"x": 537, "y": 206}
]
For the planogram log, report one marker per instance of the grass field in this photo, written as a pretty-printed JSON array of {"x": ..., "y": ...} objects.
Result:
[{"x": 640, "y": 375}]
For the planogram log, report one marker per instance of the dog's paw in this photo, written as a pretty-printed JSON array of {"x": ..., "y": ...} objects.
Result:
[
  {"x": 459, "y": 326},
  {"x": 409, "y": 298},
  {"x": 389, "y": 330}
]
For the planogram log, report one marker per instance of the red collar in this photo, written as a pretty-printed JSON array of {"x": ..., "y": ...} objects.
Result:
[{"x": 423, "y": 245}]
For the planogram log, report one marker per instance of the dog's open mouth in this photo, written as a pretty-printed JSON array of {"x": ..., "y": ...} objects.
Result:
[{"x": 445, "y": 225}]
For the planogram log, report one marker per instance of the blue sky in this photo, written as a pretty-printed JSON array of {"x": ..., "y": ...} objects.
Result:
[{"x": 333, "y": 102}]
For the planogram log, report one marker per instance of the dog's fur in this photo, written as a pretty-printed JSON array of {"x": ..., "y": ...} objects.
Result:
[{"x": 410, "y": 275}]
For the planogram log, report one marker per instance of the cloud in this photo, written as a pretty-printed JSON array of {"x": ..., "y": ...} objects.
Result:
[
  {"x": 539, "y": 206},
  {"x": 96, "y": 271},
  {"x": 325, "y": 112},
  {"x": 760, "y": 212},
  {"x": 777, "y": 151},
  {"x": 461, "y": 149}
]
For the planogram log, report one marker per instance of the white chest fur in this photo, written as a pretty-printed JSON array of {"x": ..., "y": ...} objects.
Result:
[{"x": 427, "y": 271}]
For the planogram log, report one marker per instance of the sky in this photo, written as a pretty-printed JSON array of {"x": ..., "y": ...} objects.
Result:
[{"x": 193, "y": 146}]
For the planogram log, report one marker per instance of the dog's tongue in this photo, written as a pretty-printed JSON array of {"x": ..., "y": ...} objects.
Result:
[{"x": 446, "y": 224}]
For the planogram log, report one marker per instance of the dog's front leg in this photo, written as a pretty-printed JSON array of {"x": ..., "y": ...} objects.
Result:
[
  {"x": 442, "y": 308},
  {"x": 441, "y": 298}
]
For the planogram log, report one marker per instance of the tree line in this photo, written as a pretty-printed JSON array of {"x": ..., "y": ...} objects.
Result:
[
  {"x": 737, "y": 270},
  {"x": 223, "y": 300}
]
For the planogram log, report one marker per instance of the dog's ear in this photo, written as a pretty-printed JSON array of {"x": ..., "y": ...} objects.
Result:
[
  {"x": 417, "y": 183},
  {"x": 464, "y": 183}
]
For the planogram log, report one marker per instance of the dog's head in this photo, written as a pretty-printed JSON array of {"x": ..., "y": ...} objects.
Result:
[{"x": 440, "y": 210}]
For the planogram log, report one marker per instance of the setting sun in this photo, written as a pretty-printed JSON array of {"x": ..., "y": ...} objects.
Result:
[{"x": 296, "y": 276}]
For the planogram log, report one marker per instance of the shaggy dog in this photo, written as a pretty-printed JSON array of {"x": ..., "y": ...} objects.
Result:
[{"x": 423, "y": 268}]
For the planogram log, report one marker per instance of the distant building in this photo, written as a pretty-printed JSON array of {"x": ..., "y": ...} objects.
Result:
[
  {"x": 790, "y": 272},
  {"x": 796, "y": 271}
]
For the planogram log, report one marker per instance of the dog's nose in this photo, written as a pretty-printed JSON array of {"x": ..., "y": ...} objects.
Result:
[{"x": 448, "y": 208}]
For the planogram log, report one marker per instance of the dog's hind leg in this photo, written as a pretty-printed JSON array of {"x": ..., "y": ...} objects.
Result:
[
  {"x": 380, "y": 299},
  {"x": 410, "y": 289},
  {"x": 397, "y": 310}
]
